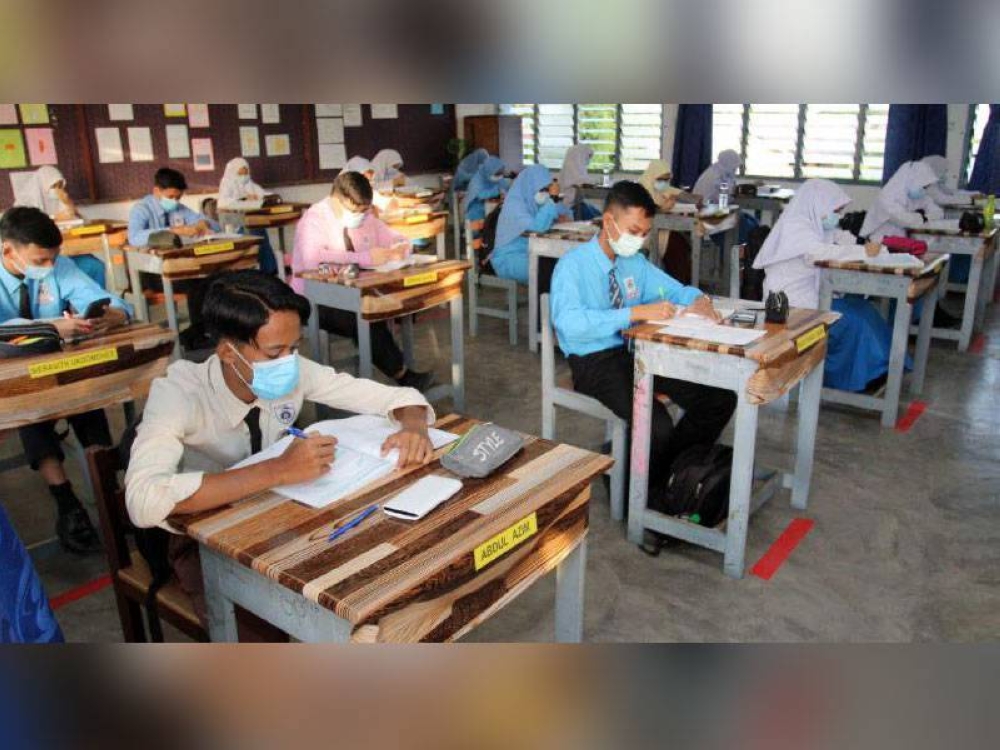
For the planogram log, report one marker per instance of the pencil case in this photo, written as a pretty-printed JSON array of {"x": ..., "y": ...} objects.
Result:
[
  {"x": 28, "y": 339},
  {"x": 483, "y": 450}
]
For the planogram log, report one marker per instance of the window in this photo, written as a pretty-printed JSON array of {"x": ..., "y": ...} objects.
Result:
[
  {"x": 796, "y": 141},
  {"x": 978, "y": 115},
  {"x": 623, "y": 136}
]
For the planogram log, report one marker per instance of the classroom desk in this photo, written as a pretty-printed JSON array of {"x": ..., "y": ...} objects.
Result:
[
  {"x": 195, "y": 261},
  {"x": 771, "y": 204},
  {"x": 115, "y": 368},
  {"x": 957, "y": 205},
  {"x": 694, "y": 225},
  {"x": 396, "y": 581},
  {"x": 906, "y": 286},
  {"x": 410, "y": 199},
  {"x": 381, "y": 296},
  {"x": 982, "y": 276},
  {"x": 554, "y": 243},
  {"x": 435, "y": 227},
  {"x": 97, "y": 237},
  {"x": 758, "y": 373},
  {"x": 271, "y": 217},
  {"x": 596, "y": 193}
]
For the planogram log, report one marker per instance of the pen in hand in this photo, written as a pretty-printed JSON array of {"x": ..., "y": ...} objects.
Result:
[{"x": 296, "y": 432}]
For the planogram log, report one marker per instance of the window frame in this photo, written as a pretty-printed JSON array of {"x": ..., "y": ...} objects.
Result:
[{"x": 970, "y": 129}]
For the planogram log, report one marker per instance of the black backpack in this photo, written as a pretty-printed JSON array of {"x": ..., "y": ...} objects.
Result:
[
  {"x": 752, "y": 279},
  {"x": 489, "y": 238},
  {"x": 698, "y": 485},
  {"x": 852, "y": 222}
]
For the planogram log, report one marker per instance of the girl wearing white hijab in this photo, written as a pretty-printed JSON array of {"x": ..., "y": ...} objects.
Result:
[
  {"x": 387, "y": 167},
  {"x": 724, "y": 170},
  {"x": 47, "y": 192},
  {"x": 360, "y": 165},
  {"x": 574, "y": 173},
  {"x": 237, "y": 190},
  {"x": 898, "y": 202},
  {"x": 807, "y": 231}
]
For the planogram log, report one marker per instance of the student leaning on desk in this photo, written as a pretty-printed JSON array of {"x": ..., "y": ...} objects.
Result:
[
  {"x": 39, "y": 284},
  {"x": 202, "y": 418}
]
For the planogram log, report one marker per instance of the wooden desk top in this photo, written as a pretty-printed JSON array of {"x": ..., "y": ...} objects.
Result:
[
  {"x": 933, "y": 266},
  {"x": 270, "y": 216},
  {"x": 400, "y": 581},
  {"x": 987, "y": 235},
  {"x": 88, "y": 238},
  {"x": 110, "y": 369},
  {"x": 435, "y": 224},
  {"x": 389, "y": 294},
  {"x": 782, "y": 342},
  {"x": 198, "y": 259},
  {"x": 568, "y": 235}
]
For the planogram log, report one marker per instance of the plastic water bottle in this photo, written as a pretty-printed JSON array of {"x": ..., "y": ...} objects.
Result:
[
  {"x": 607, "y": 177},
  {"x": 989, "y": 211},
  {"x": 723, "y": 196}
]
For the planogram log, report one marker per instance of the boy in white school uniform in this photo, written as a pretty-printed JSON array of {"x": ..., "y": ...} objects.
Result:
[{"x": 202, "y": 418}]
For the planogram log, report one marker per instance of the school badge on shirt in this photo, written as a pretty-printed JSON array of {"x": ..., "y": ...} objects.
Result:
[
  {"x": 45, "y": 294},
  {"x": 631, "y": 289},
  {"x": 284, "y": 413}
]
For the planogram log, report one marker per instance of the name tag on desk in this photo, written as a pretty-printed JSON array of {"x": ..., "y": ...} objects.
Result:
[
  {"x": 495, "y": 548},
  {"x": 418, "y": 279},
  {"x": 74, "y": 362},
  {"x": 810, "y": 338},
  {"x": 213, "y": 248},
  {"x": 84, "y": 231}
]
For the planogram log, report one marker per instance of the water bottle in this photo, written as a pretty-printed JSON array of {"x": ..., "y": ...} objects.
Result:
[
  {"x": 607, "y": 177},
  {"x": 723, "y": 196},
  {"x": 989, "y": 211}
]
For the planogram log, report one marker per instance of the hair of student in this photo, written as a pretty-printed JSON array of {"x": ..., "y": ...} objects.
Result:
[
  {"x": 167, "y": 178},
  {"x": 353, "y": 186},
  {"x": 239, "y": 303},
  {"x": 207, "y": 203},
  {"x": 627, "y": 194},
  {"x": 25, "y": 226}
]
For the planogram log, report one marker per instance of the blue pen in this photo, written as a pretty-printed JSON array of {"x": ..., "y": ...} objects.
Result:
[
  {"x": 341, "y": 530},
  {"x": 296, "y": 432}
]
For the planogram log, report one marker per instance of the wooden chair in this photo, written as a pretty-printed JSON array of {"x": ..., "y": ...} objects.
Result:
[
  {"x": 130, "y": 575},
  {"x": 472, "y": 244}
]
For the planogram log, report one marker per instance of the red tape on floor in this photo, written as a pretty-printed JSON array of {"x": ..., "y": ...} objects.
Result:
[
  {"x": 783, "y": 546},
  {"x": 912, "y": 415},
  {"x": 977, "y": 344},
  {"x": 80, "y": 592}
]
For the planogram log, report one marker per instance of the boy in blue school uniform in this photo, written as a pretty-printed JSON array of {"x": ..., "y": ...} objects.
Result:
[
  {"x": 36, "y": 283},
  {"x": 605, "y": 286}
]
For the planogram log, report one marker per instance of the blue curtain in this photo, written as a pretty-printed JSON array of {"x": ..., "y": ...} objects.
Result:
[
  {"x": 25, "y": 615},
  {"x": 692, "y": 143},
  {"x": 913, "y": 132},
  {"x": 986, "y": 171}
]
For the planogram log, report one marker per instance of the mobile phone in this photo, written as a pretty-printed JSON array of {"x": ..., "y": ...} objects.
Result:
[{"x": 96, "y": 308}]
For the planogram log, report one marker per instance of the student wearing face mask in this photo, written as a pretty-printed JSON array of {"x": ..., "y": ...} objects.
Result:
[
  {"x": 238, "y": 191},
  {"x": 486, "y": 184},
  {"x": 37, "y": 284},
  {"x": 46, "y": 191},
  {"x": 902, "y": 203},
  {"x": 202, "y": 418},
  {"x": 807, "y": 231},
  {"x": 341, "y": 230},
  {"x": 387, "y": 170},
  {"x": 603, "y": 287},
  {"x": 528, "y": 207},
  {"x": 574, "y": 173},
  {"x": 709, "y": 184},
  {"x": 467, "y": 168}
]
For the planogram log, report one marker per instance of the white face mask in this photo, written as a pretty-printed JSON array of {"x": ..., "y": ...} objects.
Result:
[
  {"x": 243, "y": 179},
  {"x": 351, "y": 219},
  {"x": 627, "y": 244}
]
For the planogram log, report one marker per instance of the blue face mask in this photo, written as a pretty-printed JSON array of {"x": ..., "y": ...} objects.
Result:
[
  {"x": 168, "y": 204},
  {"x": 34, "y": 273},
  {"x": 915, "y": 194},
  {"x": 831, "y": 221},
  {"x": 543, "y": 198},
  {"x": 273, "y": 379}
]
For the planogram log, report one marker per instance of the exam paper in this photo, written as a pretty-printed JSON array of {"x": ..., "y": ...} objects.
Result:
[
  {"x": 942, "y": 225},
  {"x": 704, "y": 330}
]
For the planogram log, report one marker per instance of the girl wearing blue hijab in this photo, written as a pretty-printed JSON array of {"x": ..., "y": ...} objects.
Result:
[
  {"x": 487, "y": 183},
  {"x": 527, "y": 208},
  {"x": 468, "y": 167}
]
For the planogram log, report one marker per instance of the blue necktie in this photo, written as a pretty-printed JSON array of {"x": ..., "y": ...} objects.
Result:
[{"x": 617, "y": 301}]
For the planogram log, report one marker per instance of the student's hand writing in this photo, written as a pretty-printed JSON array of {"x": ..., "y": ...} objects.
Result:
[
  {"x": 113, "y": 318},
  {"x": 202, "y": 227},
  {"x": 872, "y": 249},
  {"x": 413, "y": 444},
  {"x": 70, "y": 327},
  {"x": 305, "y": 459},
  {"x": 653, "y": 311},
  {"x": 703, "y": 306}
]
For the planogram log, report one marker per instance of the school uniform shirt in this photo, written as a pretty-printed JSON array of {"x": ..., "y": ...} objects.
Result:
[
  {"x": 319, "y": 238},
  {"x": 235, "y": 190},
  {"x": 66, "y": 286},
  {"x": 147, "y": 216},
  {"x": 582, "y": 312},
  {"x": 894, "y": 211},
  {"x": 193, "y": 425}
]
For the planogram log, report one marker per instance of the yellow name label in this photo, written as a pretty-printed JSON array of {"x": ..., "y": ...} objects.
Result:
[
  {"x": 420, "y": 278},
  {"x": 76, "y": 362},
  {"x": 84, "y": 231},
  {"x": 215, "y": 247},
  {"x": 282, "y": 209},
  {"x": 809, "y": 338},
  {"x": 416, "y": 219},
  {"x": 505, "y": 541}
]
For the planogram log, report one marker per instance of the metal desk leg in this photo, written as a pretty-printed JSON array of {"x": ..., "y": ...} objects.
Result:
[
  {"x": 696, "y": 240},
  {"x": 138, "y": 298},
  {"x": 741, "y": 485},
  {"x": 456, "y": 228},
  {"x": 364, "y": 348},
  {"x": 318, "y": 354},
  {"x": 729, "y": 239},
  {"x": 642, "y": 417},
  {"x": 279, "y": 252},
  {"x": 897, "y": 360},
  {"x": 972, "y": 292},
  {"x": 221, "y": 610},
  {"x": 457, "y": 355},
  {"x": 109, "y": 265},
  {"x": 569, "y": 595},
  {"x": 924, "y": 332},
  {"x": 406, "y": 328},
  {"x": 810, "y": 393},
  {"x": 168, "y": 302},
  {"x": 532, "y": 301},
  {"x": 441, "y": 246}
]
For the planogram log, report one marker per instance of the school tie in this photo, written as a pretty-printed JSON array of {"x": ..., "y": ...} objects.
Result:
[
  {"x": 24, "y": 303},
  {"x": 348, "y": 245},
  {"x": 252, "y": 420},
  {"x": 617, "y": 301}
]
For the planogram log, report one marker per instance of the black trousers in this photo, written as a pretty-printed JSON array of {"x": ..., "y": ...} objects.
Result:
[
  {"x": 386, "y": 355},
  {"x": 40, "y": 440},
  {"x": 608, "y": 377}
]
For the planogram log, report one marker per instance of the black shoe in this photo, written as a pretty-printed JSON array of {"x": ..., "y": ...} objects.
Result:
[
  {"x": 944, "y": 319},
  {"x": 419, "y": 380},
  {"x": 76, "y": 533}
]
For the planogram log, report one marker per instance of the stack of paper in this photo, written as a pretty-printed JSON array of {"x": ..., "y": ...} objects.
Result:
[
  {"x": 358, "y": 460},
  {"x": 894, "y": 260},
  {"x": 705, "y": 330}
]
